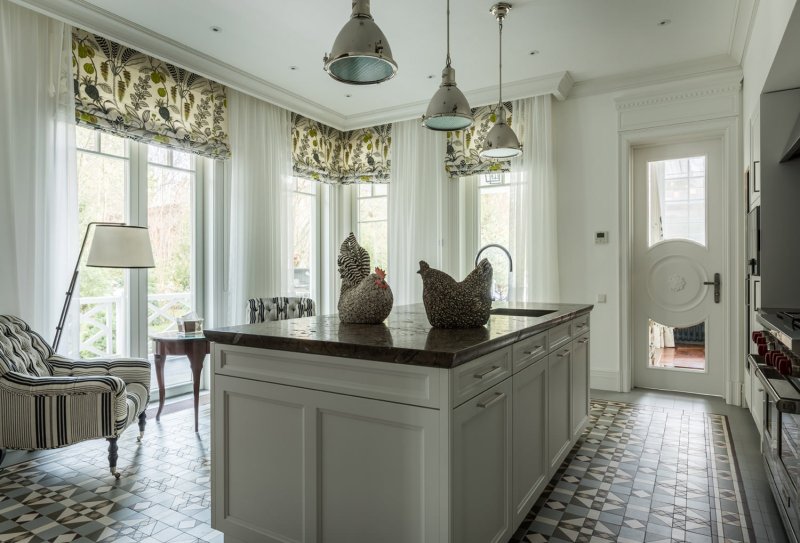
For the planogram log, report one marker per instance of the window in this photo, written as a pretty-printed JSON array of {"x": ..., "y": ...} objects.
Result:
[
  {"x": 372, "y": 220},
  {"x": 494, "y": 226},
  {"x": 121, "y": 180},
  {"x": 677, "y": 199},
  {"x": 305, "y": 238}
]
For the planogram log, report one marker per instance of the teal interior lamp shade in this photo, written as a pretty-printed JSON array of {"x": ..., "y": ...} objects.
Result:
[
  {"x": 448, "y": 109},
  {"x": 360, "y": 54},
  {"x": 501, "y": 141}
]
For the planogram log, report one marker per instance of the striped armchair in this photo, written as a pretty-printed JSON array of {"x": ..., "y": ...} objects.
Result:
[
  {"x": 48, "y": 401},
  {"x": 280, "y": 308}
]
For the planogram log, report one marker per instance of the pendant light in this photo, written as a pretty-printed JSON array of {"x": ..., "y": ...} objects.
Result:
[
  {"x": 501, "y": 141},
  {"x": 448, "y": 109},
  {"x": 360, "y": 54}
]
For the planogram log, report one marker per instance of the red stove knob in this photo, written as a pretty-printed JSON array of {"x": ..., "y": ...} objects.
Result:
[
  {"x": 769, "y": 358},
  {"x": 784, "y": 366},
  {"x": 755, "y": 335},
  {"x": 762, "y": 349},
  {"x": 761, "y": 340}
]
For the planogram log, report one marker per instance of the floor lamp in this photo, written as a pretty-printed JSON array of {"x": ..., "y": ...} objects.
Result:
[{"x": 114, "y": 245}]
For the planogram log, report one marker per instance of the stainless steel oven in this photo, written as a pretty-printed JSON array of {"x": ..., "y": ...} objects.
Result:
[{"x": 781, "y": 444}]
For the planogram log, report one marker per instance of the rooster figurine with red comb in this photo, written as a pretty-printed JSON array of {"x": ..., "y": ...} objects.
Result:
[{"x": 366, "y": 297}]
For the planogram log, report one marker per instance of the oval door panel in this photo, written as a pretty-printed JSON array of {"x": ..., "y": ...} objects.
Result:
[{"x": 675, "y": 283}]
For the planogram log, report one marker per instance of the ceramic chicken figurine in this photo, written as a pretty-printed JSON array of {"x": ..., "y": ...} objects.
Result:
[
  {"x": 366, "y": 297},
  {"x": 449, "y": 304}
]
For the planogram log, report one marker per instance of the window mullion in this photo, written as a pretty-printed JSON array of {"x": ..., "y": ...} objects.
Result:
[{"x": 137, "y": 279}]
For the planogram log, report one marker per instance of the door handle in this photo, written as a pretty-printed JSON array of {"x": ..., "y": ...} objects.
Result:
[{"x": 717, "y": 282}]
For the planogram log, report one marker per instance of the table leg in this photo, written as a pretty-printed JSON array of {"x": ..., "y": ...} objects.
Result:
[
  {"x": 159, "y": 360},
  {"x": 196, "y": 359}
]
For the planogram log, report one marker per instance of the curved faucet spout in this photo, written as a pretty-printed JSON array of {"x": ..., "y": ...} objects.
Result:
[{"x": 482, "y": 249}]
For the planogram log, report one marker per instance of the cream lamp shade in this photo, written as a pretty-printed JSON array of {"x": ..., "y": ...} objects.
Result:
[{"x": 120, "y": 246}]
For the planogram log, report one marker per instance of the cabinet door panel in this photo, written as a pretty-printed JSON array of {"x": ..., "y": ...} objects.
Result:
[
  {"x": 580, "y": 384},
  {"x": 481, "y": 467},
  {"x": 558, "y": 406},
  {"x": 529, "y": 437}
]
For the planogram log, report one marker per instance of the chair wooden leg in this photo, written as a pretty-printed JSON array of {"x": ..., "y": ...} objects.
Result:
[
  {"x": 142, "y": 424},
  {"x": 112, "y": 456}
]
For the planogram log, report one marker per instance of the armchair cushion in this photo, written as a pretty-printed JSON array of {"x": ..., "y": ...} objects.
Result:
[
  {"x": 21, "y": 349},
  {"x": 280, "y": 308}
]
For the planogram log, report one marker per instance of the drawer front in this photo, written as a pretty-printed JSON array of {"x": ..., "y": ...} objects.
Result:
[
  {"x": 559, "y": 336},
  {"x": 580, "y": 325},
  {"x": 528, "y": 351},
  {"x": 479, "y": 375}
]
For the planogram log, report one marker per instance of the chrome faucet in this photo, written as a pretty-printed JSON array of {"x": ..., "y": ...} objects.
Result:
[{"x": 482, "y": 249}]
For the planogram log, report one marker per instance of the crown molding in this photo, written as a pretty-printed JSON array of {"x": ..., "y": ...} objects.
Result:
[
  {"x": 717, "y": 65},
  {"x": 742, "y": 28},
  {"x": 557, "y": 84},
  {"x": 94, "y": 19}
]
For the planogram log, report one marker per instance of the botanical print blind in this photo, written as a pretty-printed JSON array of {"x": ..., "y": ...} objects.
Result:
[
  {"x": 323, "y": 153},
  {"x": 463, "y": 146},
  {"x": 120, "y": 90}
]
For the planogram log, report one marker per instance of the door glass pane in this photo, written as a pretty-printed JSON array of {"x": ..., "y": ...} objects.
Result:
[
  {"x": 494, "y": 210},
  {"x": 677, "y": 348},
  {"x": 677, "y": 200},
  {"x": 102, "y": 184},
  {"x": 170, "y": 285}
]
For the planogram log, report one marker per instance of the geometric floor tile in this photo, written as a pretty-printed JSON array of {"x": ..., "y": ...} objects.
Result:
[
  {"x": 69, "y": 496},
  {"x": 644, "y": 473}
]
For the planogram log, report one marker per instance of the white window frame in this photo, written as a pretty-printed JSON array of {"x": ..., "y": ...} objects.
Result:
[
  {"x": 356, "y": 213},
  {"x": 316, "y": 252}
]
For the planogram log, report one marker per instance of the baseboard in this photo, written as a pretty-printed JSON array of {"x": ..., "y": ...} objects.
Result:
[{"x": 605, "y": 380}]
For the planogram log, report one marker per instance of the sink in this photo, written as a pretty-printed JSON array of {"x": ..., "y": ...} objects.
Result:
[{"x": 518, "y": 312}]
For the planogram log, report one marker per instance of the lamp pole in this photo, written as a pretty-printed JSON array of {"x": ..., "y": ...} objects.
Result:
[{"x": 62, "y": 319}]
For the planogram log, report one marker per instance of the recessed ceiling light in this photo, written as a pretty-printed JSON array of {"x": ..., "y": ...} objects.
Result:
[
  {"x": 293, "y": 68},
  {"x": 534, "y": 52},
  {"x": 215, "y": 29},
  {"x": 348, "y": 95},
  {"x": 664, "y": 22},
  {"x": 431, "y": 76}
]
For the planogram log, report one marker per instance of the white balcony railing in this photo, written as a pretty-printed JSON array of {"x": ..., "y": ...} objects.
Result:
[{"x": 104, "y": 321}]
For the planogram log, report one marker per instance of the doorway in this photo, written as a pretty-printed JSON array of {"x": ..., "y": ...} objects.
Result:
[{"x": 677, "y": 262}]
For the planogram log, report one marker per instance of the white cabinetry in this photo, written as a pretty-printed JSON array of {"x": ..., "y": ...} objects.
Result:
[
  {"x": 529, "y": 435},
  {"x": 559, "y": 388},
  {"x": 311, "y": 448},
  {"x": 482, "y": 467}
]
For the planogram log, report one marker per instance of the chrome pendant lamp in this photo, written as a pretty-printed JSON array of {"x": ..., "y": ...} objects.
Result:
[
  {"x": 360, "y": 54},
  {"x": 448, "y": 109},
  {"x": 501, "y": 141}
]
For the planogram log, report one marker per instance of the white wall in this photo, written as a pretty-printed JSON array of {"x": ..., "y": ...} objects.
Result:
[{"x": 586, "y": 166}]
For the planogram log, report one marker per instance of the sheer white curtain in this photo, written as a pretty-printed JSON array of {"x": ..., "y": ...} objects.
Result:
[
  {"x": 38, "y": 179},
  {"x": 534, "y": 237},
  {"x": 337, "y": 223},
  {"x": 421, "y": 203},
  {"x": 260, "y": 174}
]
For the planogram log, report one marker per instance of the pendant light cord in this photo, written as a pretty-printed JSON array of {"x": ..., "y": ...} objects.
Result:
[
  {"x": 448, "y": 34},
  {"x": 500, "y": 21}
]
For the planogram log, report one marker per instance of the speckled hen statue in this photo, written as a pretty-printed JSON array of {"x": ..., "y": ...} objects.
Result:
[
  {"x": 457, "y": 305},
  {"x": 366, "y": 297}
]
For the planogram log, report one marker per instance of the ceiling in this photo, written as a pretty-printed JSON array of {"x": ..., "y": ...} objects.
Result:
[{"x": 590, "y": 39}]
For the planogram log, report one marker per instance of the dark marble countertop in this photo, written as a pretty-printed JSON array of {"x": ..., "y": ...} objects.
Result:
[{"x": 405, "y": 337}]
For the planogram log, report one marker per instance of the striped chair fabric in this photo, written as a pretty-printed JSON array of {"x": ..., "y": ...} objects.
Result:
[
  {"x": 280, "y": 308},
  {"x": 49, "y": 401}
]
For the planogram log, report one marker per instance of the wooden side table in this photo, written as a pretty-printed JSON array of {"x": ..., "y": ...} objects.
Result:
[{"x": 194, "y": 347}]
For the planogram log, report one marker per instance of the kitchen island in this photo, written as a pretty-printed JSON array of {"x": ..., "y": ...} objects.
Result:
[{"x": 324, "y": 431}]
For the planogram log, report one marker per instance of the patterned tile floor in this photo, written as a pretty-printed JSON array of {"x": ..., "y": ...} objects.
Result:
[
  {"x": 70, "y": 496},
  {"x": 644, "y": 473},
  {"x": 639, "y": 473}
]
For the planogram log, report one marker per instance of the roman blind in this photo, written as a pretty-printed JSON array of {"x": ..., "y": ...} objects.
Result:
[
  {"x": 120, "y": 90},
  {"x": 463, "y": 146}
]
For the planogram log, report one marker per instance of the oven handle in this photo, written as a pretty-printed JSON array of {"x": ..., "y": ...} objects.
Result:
[{"x": 768, "y": 388}]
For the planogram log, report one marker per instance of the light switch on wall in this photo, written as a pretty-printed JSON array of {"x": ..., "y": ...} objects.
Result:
[{"x": 601, "y": 298}]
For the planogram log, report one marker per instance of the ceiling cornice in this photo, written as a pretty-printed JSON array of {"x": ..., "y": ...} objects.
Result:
[
  {"x": 742, "y": 27},
  {"x": 722, "y": 64}
]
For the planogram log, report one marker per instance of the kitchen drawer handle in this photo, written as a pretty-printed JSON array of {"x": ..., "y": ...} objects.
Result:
[
  {"x": 497, "y": 397},
  {"x": 563, "y": 353},
  {"x": 484, "y": 373},
  {"x": 582, "y": 341},
  {"x": 536, "y": 349}
]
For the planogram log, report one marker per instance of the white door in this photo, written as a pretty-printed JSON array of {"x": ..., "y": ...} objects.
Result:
[{"x": 678, "y": 248}]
